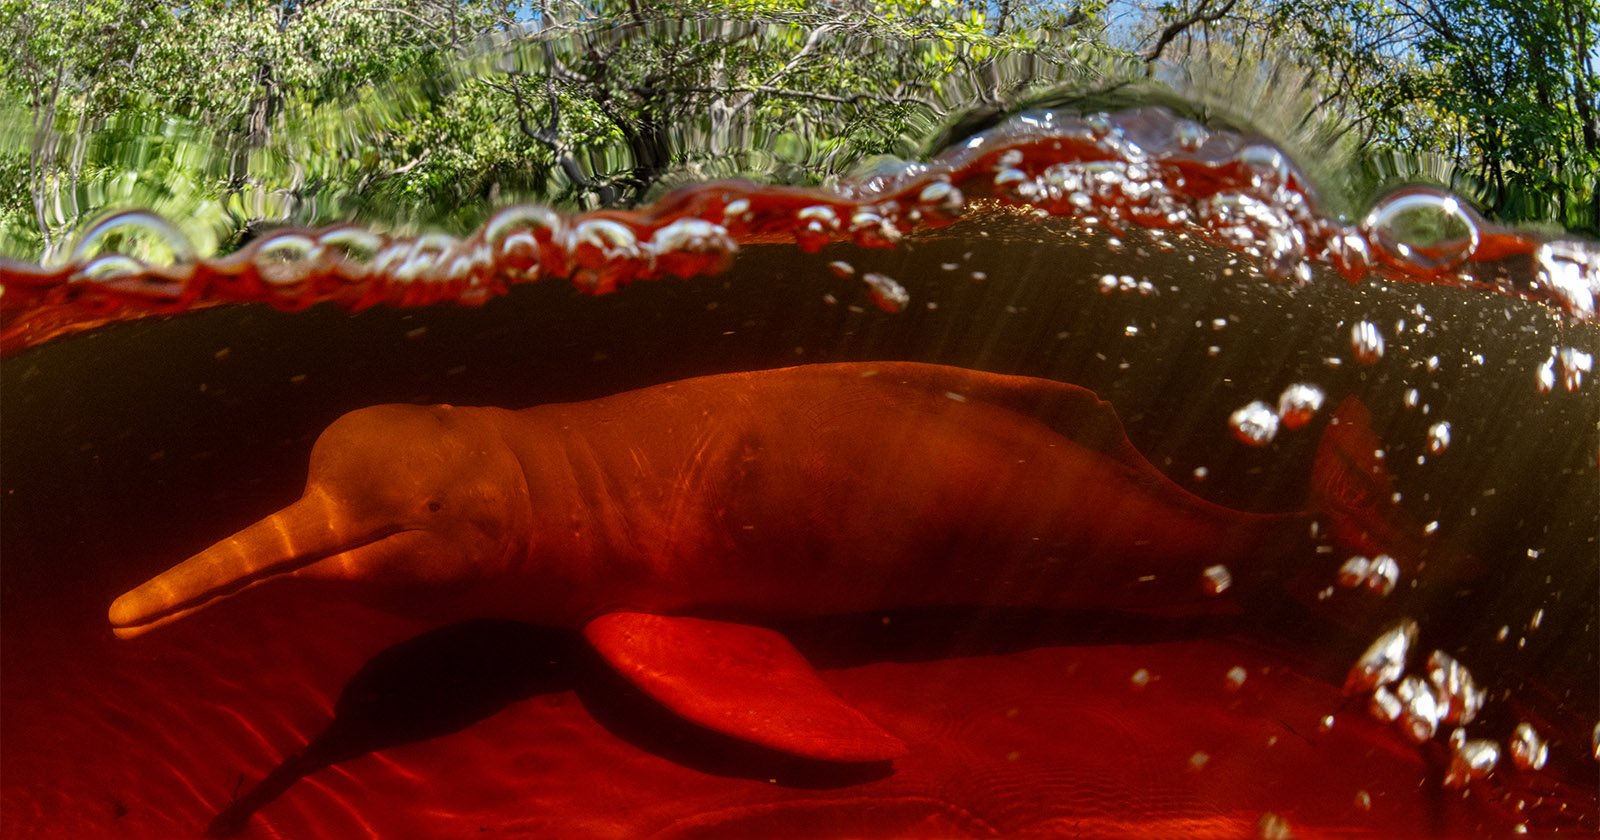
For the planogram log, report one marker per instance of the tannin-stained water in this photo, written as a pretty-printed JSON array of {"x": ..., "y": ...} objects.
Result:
[{"x": 1185, "y": 276}]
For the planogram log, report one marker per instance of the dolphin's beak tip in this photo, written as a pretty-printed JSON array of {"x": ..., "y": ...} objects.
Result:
[{"x": 124, "y": 613}]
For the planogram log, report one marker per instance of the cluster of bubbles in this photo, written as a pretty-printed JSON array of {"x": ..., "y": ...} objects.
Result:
[
  {"x": 1422, "y": 706},
  {"x": 1379, "y": 575},
  {"x": 1574, "y": 365},
  {"x": 1256, "y": 423},
  {"x": 1141, "y": 167}
]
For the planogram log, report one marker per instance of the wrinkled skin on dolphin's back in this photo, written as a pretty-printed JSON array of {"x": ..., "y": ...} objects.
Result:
[{"x": 798, "y": 491}]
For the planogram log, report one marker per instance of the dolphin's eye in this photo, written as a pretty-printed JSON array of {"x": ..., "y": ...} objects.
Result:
[{"x": 433, "y": 507}]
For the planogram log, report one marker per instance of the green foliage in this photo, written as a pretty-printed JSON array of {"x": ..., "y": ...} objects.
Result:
[
  {"x": 227, "y": 117},
  {"x": 1499, "y": 97}
]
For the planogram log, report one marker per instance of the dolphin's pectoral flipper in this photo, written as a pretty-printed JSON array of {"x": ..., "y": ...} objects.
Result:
[{"x": 742, "y": 681}]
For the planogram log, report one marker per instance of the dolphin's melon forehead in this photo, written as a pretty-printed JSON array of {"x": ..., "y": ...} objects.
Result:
[{"x": 381, "y": 429}]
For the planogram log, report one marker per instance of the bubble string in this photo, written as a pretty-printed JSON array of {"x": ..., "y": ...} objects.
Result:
[{"x": 1140, "y": 168}]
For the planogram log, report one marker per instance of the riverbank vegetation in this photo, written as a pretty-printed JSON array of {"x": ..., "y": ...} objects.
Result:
[{"x": 230, "y": 116}]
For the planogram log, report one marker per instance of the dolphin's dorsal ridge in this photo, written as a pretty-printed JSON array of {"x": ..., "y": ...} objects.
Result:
[{"x": 742, "y": 681}]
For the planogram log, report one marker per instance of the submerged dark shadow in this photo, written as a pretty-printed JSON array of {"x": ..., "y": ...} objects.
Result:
[
  {"x": 435, "y": 684},
  {"x": 448, "y": 679}
]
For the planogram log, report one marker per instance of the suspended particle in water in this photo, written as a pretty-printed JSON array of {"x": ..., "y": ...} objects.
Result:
[
  {"x": 1384, "y": 660},
  {"x": 842, "y": 269},
  {"x": 1363, "y": 800},
  {"x": 1528, "y": 749},
  {"x": 1439, "y": 437},
  {"x": 1197, "y": 762},
  {"x": 1383, "y": 576},
  {"x": 1130, "y": 330},
  {"x": 1411, "y": 398},
  {"x": 1235, "y": 678},
  {"x": 1366, "y": 342},
  {"x": 1200, "y": 473},
  {"x": 1140, "y": 679},
  {"x": 1459, "y": 697},
  {"x": 1216, "y": 579},
  {"x": 886, "y": 292},
  {"x": 1325, "y": 724},
  {"x": 1595, "y": 739},
  {"x": 1474, "y": 759},
  {"x": 1255, "y": 424},
  {"x": 1419, "y": 708},
  {"x": 1108, "y": 284},
  {"x": 1298, "y": 404}
]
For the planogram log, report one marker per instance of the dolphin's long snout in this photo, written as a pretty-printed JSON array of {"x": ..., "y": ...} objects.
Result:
[{"x": 290, "y": 539}]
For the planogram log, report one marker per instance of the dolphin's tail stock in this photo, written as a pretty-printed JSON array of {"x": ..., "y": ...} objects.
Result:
[{"x": 1353, "y": 497}]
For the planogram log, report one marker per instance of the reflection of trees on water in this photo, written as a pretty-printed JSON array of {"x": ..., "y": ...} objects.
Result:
[{"x": 434, "y": 111}]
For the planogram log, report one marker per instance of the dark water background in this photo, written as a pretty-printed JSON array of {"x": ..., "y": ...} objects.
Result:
[{"x": 126, "y": 449}]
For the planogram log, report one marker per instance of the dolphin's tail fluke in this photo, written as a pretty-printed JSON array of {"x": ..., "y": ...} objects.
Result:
[{"x": 1352, "y": 493}]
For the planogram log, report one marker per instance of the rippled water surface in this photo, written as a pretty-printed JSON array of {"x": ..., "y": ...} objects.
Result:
[{"x": 1443, "y": 685}]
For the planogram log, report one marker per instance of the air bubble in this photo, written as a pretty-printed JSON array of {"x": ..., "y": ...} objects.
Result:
[
  {"x": 814, "y": 226},
  {"x": 1354, "y": 571},
  {"x": 886, "y": 292},
  {"x": 1189, "y": 135},
  {"x": 110, "y": 267},
  {"x": 1460, "y": 699},
  {"x": 1255, "y": 424},
  {"x": 1384, "y": 660},
  {"x": 136, "y": 233},
  {"x": 1439, "y": 437},
  {"x": 1366, "y": 342},
  {"x": 1420, "y": 714},
  {"x": 1545, "y": 379},
  {"x": 1298, "y": 404},
  {"x": 1528, "y": 749},
  {"x": 1422, "y": 229},
  {"x": 1570, "y": 272},
  {"x": 353, "y": 248},
  {"x": 1216, "y": 579},
  {"x": 513, "y": 234},
  {"x": 873, "y": 228},
  {"x": 286, "y": 259},
  {"x": 1575, "y": 364},
  {"x": 1273, "y": 827},
  {"x": 1384, "y": 706},
  {"x": 942, "y": 195},
  {"x": 425, "y": 255},
  {"x": 1383, "y": 576},
  {"x": 1470, "y": 761}
]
